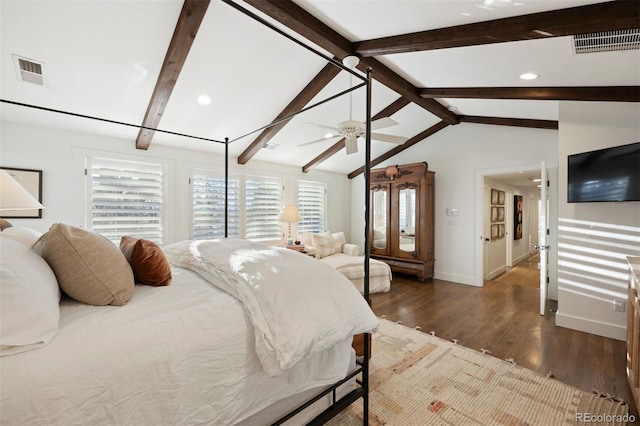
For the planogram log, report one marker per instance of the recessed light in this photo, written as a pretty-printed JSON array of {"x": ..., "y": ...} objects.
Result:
[
  {"x": 465, "y": 14},
  {"x": 204, "y": 100},
  {"x": 528, "y": 76},
  {"x": 328, "y": 135}
]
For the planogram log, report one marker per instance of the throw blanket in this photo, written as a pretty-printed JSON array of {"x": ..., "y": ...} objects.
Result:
[{"x": 298, "y": 306}]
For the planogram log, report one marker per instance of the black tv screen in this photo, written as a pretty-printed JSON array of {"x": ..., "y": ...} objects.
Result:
[{"x": 610, "y": 174}]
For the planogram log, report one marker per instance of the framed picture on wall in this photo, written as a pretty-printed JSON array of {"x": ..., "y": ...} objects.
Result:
[
  {"x": 494, "y": 214},
  {"x": 517, "y": 217},
  {"x": 494, "y": 231},
  {"x": 500, "y": 214},
  {"x": 31, "y": 180},
  {"x": 501, "y": 230},
  {"x": 501, "y": 198},
  {"x": 494, "y": 196}
]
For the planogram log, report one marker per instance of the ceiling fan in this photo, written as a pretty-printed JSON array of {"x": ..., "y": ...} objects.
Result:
[{"x": 351, "y": 129}]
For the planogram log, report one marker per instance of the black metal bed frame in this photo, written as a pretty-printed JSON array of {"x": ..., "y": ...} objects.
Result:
[{"x": 362, "y": 363}]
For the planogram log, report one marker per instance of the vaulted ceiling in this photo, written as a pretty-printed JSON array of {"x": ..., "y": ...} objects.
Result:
[{"x": 140, "y": 66}]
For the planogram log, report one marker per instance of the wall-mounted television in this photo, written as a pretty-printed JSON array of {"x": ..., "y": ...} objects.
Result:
[{"x": 609, "y": 174}]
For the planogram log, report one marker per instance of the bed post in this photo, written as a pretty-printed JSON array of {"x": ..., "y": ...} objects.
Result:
[
  {"x": 367, "y": 203},
  {"x": 226, "y": 186}
]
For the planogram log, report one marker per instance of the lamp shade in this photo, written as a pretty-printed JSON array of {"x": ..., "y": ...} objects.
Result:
[
  {"x": 13, "y": 196},
  {"x": 289, "y": 214}
]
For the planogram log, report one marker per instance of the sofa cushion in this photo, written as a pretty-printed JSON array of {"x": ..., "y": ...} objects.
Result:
[
  {"x": 324, "y": 244},
  {"x": 339, "y": 240}
]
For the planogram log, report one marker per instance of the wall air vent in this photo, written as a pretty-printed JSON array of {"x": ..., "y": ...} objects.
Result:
[
  {"x": 29, "y": 71},
  {"x": 609, "y": 41}
]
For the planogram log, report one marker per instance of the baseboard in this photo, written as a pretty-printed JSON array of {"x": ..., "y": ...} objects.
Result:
[
  {"x": 611, "y": 331},
  {"x": 455, "y": 278},
  {"x": 521, "y": 258},
  {"x": 496, "y": 272}
]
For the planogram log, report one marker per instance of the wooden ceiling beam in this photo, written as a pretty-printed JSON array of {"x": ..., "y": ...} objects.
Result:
[
  {"x": 599, "y": 17},
  {"x": 318, "y": 83},
  {"x": 391, "y": 109},
  {"x": 299, "y": 20},
  {"x": 414, "y": 140},
  {"x": 596, "y": 93},
  {"x": 514, "y": 122},
  {"x": 191, "y": 17},
  {"x": 302, "y": 22}
]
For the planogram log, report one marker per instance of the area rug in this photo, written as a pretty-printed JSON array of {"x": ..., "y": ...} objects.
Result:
[
  {"x": 521, "y": 275},
  {"x": 419, "y": 379}
]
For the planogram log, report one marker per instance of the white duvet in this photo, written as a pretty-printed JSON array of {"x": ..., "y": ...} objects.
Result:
[
  {"x": 177, "y": 355},
  {"x": 299, "y": 307}
]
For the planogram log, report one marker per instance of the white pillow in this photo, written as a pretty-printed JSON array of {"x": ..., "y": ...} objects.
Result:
[
  {"x": 29, "y": 299},
  {"x": 26, "y": 236},
  {"x": 339, "y": 240},
  {"x": 306, "y": 238},
  {"x": 324, "y": 244}
]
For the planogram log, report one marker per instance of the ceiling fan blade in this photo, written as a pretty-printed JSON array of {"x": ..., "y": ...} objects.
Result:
[
  {"x": 318, "y": 140},
  {"x": 382, "y": 123},
  {"x": 351, "y": 144},
  {"x": 389, "y": 138},
  {"x": 322, "y": 126}
]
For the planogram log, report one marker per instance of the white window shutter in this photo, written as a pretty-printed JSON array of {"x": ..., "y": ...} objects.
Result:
[
  {"x": 208, "y": 195},
  {"x": 126, "y": 199},
  {"x": 263, "y": 202},
  {"x": 312, "y": 206}
]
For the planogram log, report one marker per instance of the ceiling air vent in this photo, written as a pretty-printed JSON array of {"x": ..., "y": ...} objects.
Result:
[
  {"x": 29, "y": 71},
  {"x": 609, "y": 41}
]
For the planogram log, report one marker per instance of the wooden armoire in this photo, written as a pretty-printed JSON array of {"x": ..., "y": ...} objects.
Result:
[{"x": 402, "y": 218}]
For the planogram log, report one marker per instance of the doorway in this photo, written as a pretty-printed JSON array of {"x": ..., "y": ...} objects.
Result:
[{"x": 514, "y": 181}]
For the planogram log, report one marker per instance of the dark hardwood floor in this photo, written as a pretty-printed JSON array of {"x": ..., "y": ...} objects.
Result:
[{"x": 504, "y": 319}]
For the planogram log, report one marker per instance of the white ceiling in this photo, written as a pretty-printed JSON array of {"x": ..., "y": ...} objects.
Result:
[{"x": 102, "y": 59}]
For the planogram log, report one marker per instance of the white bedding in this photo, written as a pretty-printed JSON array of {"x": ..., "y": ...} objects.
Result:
[
  {"x": 182, "y": 354},
  {"x": 322, "y": 309}
]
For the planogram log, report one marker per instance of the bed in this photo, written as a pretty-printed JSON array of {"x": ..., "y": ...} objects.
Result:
[
  {"x": 198, "y": 351},
  {"x": 189, "y": 352}
]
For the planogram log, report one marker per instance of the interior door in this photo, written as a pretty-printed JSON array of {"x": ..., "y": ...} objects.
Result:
[{"x": 543, "y": 237}]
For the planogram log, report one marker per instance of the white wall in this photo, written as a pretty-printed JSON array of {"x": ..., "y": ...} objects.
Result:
[
  {"x": 456, "y": 154},
  {"x": 53, "y": 150},
  {"x": 595, "y": 238}
]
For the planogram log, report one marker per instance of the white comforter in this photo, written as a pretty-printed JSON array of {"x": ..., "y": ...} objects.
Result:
[
  {"x": 271, "y": 283},
  {"x": 177, "y": 355}
]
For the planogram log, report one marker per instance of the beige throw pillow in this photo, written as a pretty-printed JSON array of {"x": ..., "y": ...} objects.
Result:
[
  {"x": 339, "y": 240},
  {"x": 88, "y": 266},
  {"x": 324, "y": 244}
]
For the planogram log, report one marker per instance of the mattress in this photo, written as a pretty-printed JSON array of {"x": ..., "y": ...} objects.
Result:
[{"x": 181, "y": 354}]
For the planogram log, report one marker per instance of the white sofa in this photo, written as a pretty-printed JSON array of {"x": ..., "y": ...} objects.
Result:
[{"x": 346, "y": 258}]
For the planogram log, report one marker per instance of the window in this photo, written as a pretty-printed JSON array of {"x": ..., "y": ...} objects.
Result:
[
  {"x": 126, "y": 198},
  {"x": 312, "y": 198},
  {"x": 263, "y": 202},
  {"x": 207, "y": 193}
]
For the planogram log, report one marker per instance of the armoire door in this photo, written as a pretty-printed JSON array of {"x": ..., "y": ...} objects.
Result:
[
  {"x": 380, "y": 219},
  {"x": 405, "y": 231}
]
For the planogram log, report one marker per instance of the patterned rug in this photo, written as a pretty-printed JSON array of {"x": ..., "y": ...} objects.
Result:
[{"x": 418, "y": 379}]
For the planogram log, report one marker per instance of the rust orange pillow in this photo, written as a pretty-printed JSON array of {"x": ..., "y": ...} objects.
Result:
[{"x": 149, "y": 264}]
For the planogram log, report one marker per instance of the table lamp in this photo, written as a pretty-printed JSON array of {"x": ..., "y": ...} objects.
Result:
[
  {"x": 13, "y": 196},
  {"x": 289, "y": 214}
]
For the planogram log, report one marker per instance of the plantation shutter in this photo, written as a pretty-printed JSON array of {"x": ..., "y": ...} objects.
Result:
[
  {"x": 126, "y": 199},
  {"x": 312, "y": 206},
  {"x": 207, "y": 193},
  {"x": 263, "y": 202}
]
